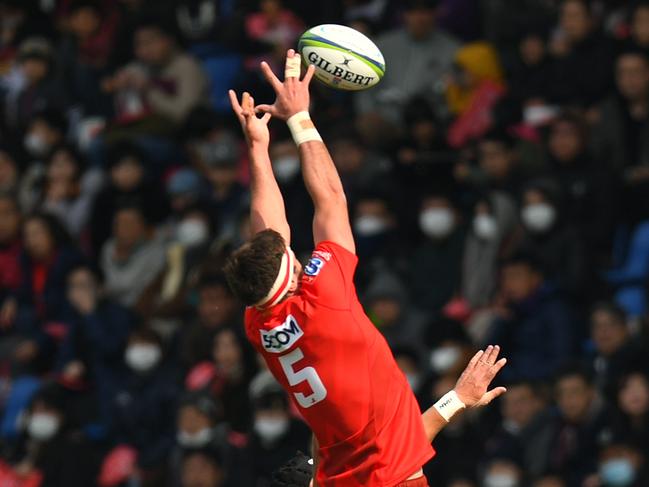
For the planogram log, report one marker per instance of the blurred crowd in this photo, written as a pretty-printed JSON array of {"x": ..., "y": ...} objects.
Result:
[{"x": 498, "y": 185}]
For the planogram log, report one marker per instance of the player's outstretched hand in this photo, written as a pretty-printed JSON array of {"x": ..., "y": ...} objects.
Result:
[
  {"x": 254, "y": 128},
  {"x": 472, "y": 385},
  {"x": 292, "y": 96}
]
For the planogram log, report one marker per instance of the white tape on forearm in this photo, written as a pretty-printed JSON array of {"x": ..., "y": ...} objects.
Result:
[
  {"x": 448, "y": 405},
  {"x": 302, "y": 128},
  {"x": 292, "y": 68}
]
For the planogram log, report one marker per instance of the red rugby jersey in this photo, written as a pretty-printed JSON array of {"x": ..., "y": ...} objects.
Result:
[{"x": 340, "y": 373}]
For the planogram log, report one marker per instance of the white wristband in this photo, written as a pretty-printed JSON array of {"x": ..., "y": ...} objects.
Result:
[
  {"x": 302, "y": 128},
  {"x": 448, "y": 405}
]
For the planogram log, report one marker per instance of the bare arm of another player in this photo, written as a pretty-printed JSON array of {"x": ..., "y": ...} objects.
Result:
[
  {"x": 331, "y": 219},
  {"x": 471, "y": 388},
  {"x": 266, "y": 205}
]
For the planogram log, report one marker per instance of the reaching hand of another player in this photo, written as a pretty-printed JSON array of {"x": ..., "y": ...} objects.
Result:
[
  {"x": 472, "y": 385},
  {"x": 254, "y": 128},
  {"x": 292, "y": 96}
]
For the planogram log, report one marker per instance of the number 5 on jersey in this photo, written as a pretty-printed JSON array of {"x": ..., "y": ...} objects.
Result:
[{"x": 307, "y": 374}]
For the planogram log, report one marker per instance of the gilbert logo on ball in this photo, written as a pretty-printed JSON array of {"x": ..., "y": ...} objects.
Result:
[{"x": 343, "y": 57}]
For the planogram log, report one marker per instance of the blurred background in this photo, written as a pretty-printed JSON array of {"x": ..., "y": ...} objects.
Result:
[{"x": 498, "y": 183}]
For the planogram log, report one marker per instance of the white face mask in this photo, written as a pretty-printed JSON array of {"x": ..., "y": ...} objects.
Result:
[
  {"x": 271, "y": 429},
  {"x": 443, "y": 358},
  {"x": 43, "y": 426},
  {"x": 142, "y": 358},
  {"x": 485, "y": 227},
  {"x": 192, "y": 232},
  {"x": 414, "y": 380},
  {"x": 194, "y": 440},
  {"x": 286, "y": 168},
  {"x": 500, "y": 480},
  {"x": 369, "y": 225},
  {"x": 436, "y": 222},
  {"x": 538, "y": 217},
  {"x": 36, "y": 145}
]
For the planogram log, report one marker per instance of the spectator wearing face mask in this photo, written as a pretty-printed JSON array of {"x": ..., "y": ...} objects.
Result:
[
  {"x": 51, "y": 448},
  {"x": 275, "y": 436},
  {"x": 632, "y": 413},
  {"x": 526, "y": 430},
  {"x": 489, "y": 240},
  {"x": 583, "y": 419},
  {"x": 144, "y": 406},
  {"x": 536, "y": 328},
  {"x": 45, "y": 130},
  {"x": 503, "y": 472},
  {"x": 621, "y": 135},
  {"x": 216, "y": 309},
  {"x": 436, "y": 263},
  {"x": 622, "y": 465},
  {"x": 449, "y": 345},
  {"x": 185, "y": 189},
  {"x": 285, "y": 159},
  {"x": 380, "y": 244},
  {"x": 409, "y": 362},
  {"x": 614, "y": 348},
  {"x": 91, "y": 353},
  {"x": 128, "y": 182},
  {"x": 552, "y": 242},
  {"x": 133, "y": 257},
  {"x": 164, "y": 299}
]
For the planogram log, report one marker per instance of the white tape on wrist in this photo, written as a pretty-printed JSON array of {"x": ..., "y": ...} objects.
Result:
[
  {"x": 302, "y": 128},
  {"x": 448, "y": 405}
]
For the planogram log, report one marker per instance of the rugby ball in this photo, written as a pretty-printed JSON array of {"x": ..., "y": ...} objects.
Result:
[{"x": 343, "y": 58}]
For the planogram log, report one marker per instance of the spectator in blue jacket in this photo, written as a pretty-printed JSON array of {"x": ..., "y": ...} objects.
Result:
[
  {"x": 143, "y": 409},
  {"x": 536, "y": 329},
  {"x": 91, "y": 353}
]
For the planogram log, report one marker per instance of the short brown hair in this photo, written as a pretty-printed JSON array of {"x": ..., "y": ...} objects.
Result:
[{"x": 252, "y": 269}]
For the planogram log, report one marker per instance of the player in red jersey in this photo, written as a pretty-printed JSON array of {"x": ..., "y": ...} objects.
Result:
[{"x": 309, "y": 325}]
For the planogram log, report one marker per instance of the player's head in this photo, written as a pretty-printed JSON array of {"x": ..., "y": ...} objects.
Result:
[
  {"x": 296, "y": 473},
  {"x": 263, "y": 271}
]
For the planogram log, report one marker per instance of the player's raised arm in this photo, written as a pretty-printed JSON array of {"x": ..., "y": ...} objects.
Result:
[
  {"x": 267, "y": 205},
  {"x": 470, "y": 391},
  {"x": 331, "y": 219}
]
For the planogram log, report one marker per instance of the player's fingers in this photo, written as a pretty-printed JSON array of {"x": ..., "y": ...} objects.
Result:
[
  {"x": 266, "y": 118},
  {"x": 310, "y": 71},
  {"x": 292, "y": 67},
  {"x": 487, "y": 353},
  {"x": 474, "y": 361},
  {"x": 265, "y": 109},
  {"x": 493, "y": 371},
  {"x": 236, "y": 107},
  {"x": 270, "y": 76},
  {"x": 493, "y": 355},
  {"x": 492, "y": 394}
]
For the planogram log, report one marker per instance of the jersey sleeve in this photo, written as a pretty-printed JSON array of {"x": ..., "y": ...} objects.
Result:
[{"x": 329, "y": 275}]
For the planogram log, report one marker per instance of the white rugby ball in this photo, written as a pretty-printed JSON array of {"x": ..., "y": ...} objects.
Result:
[{"x": 343, "y": 57}]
